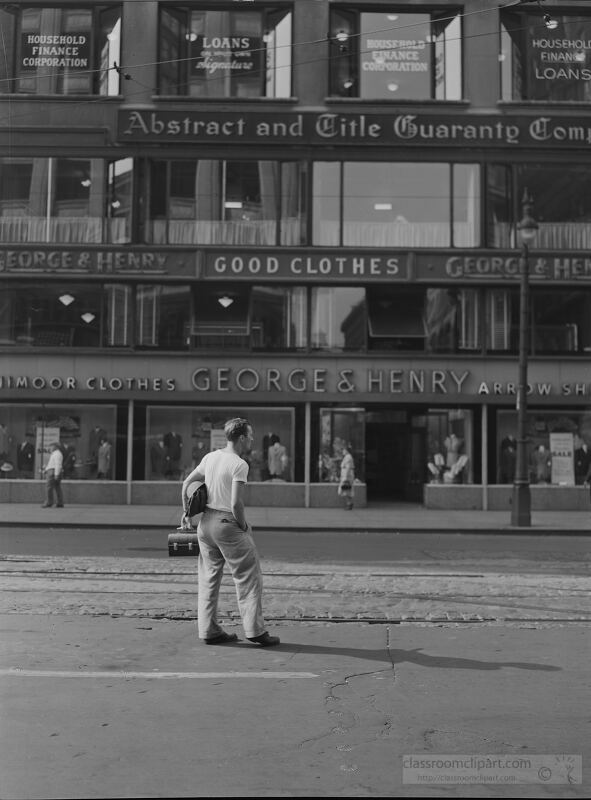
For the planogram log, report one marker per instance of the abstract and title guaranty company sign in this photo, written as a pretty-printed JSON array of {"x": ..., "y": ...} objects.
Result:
[{"x": 215, "y": 127}]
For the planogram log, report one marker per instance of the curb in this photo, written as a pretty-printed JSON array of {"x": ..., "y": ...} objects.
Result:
[{"x": 507, "y": 531}]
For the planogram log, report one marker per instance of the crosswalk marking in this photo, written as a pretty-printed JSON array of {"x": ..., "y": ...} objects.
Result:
[{"x": 113, "y": 673}]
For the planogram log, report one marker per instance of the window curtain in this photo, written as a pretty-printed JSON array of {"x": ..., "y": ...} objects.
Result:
[
  {"x": 207, "y": 227},
  {"x": 293, "y": 230}
]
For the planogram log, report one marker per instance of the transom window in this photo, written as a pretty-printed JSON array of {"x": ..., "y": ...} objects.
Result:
[{"x": 231, "y": 316}]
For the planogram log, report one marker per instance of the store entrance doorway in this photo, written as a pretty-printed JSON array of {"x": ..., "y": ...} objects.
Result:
[{"x": 395, "y": 453}]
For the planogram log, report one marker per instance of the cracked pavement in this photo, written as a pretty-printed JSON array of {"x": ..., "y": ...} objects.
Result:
[{"x": 106, "y": 691}]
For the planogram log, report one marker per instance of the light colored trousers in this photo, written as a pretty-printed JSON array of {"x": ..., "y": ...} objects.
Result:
[{"x": 222, "y": 541}]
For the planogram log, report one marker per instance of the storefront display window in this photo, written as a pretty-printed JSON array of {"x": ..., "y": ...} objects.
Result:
[
  {"x": 86, "y": 436},
  {"x": 226, "y": 202},
  {"x": 449, "y": 444},
  {"x": 51, "y": 49},
  {"x": 558, "y": 446},
  {"x": 225, "y": 52},
  {"x": 390, "y": 204},
  {"x": 178, "y": 438},
  {"x": 65, "y": 200},
  {"x": 396, "y": 56},
  {"x": 545, "y": 60},
  {"x": 340, "y": 427},
  {"x": 562, "y": 204}
]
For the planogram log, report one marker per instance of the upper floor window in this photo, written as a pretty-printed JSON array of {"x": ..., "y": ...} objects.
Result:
[
  {"x": 562, "y": 204},
  {"x": 226, "y": 202},
  {"x": 394, "y": 204},
  {"x": 65, "y": 200},
  {"x": 396, "y": 54},
  {"x": 545, "y": 59},
  {"x": 225, "y": 51},
  {"x": 60, "y": 50}
]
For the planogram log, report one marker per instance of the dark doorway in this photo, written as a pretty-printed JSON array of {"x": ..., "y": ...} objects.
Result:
[{"x": 395, "y": 457}]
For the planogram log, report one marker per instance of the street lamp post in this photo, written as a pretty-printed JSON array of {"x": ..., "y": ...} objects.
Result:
[{"x": 521, "y": 500}]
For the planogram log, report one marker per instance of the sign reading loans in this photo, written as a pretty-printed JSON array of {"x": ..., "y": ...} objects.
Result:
[
  {"x": 395, "y": 56},
  {"x": 216, "y": 56},
  {"x": 560, "y": 59}
]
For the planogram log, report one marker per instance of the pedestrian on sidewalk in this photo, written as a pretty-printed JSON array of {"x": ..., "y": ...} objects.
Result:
[
  {"x": 53, "y": 472},
  {"x": 225, "y": 537},
  {"x": 347, "y": 478}
]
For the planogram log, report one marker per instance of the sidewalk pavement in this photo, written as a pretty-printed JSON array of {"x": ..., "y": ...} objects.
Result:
[{"x": 384, "y": 517}]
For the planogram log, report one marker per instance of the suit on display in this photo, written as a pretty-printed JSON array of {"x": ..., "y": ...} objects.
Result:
[
  {"x": 173, "y": 442},
  {"x": 582, "y": 463},
  {"x": 104, "y": 460},
  {"x": 95, "y": 437},
  {"x": 25, "y": 457}
]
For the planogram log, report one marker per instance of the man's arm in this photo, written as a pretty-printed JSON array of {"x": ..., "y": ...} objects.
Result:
[
  {"x": 238, "y": 504},
  {"x": 192, "y": 477}
]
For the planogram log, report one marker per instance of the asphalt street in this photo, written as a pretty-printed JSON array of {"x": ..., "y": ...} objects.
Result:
[
  {"x": 559, "y": 552},
  {"x": 392, "y": 645}
]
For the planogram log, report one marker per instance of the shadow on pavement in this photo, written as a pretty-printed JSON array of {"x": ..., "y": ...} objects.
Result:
[{"x": 395, "y": 656}]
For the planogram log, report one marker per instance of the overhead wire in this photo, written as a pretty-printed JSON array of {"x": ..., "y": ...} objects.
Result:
[{"x": 324, "y": 59}]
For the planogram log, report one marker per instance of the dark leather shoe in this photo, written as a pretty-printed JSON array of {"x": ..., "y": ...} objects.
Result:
[
  {"x": 265, "y": 640},
  {"x": 223, "y": 638},
  {"x": 59, "y": 506}
]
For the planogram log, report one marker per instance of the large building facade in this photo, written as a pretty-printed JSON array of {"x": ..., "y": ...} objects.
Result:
[{"x": 301, "y": 212}]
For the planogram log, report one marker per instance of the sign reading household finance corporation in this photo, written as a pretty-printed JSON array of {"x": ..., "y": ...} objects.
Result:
[{"x": 139, "y": 125}]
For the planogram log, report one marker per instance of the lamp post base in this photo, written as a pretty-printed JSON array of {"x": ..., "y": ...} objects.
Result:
[{"x": 521, "y": 506}]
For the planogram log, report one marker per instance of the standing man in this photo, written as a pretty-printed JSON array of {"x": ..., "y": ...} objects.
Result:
[
  {"x": 225, "y": 538},
  {"x": 53, "y": 471}
]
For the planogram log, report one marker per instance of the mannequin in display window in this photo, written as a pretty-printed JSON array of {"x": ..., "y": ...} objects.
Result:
[
  {"x": 582, "y": 462},
  {"x": 95, "y": 437},
  {"x": 507, "y": 459},
  {"x": 541, "y": 462},
  {"x": 25, "y": 457},
  {"x": 69, "y": 453},
  {"x": 453, "y": 445},
  {"x": 158, "y": 458},
  {"x": 173, "y": 442},
  {"x": 104, "y": 460},
  {"x": 5, "y": 442},
  {"x": 276, "y": 458}
]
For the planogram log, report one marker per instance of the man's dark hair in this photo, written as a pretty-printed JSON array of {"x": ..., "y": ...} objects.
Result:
[{"x": 235, "y": 428}]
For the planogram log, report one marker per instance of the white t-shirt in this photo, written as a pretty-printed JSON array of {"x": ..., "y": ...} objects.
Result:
[
  {"x": 221, "y": 468},
  {"x": 55, "y": 462}
]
